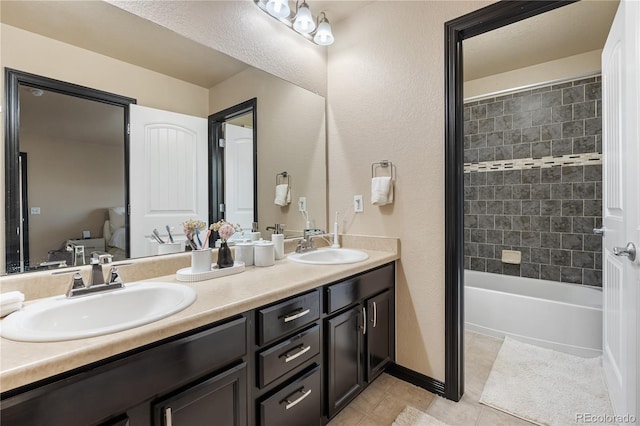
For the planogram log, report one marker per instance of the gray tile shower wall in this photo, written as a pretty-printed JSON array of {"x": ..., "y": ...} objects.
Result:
[{"x": 545, "y": 213}]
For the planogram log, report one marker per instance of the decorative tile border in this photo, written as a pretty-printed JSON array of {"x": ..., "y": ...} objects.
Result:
[{"x": 587, "y": 159}]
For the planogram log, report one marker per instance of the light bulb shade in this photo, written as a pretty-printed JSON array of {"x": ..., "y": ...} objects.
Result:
[
  {"x": 304, "y": 20},
  {"x": 278, "y": 8},
  {"x": 323, "y": 36}
]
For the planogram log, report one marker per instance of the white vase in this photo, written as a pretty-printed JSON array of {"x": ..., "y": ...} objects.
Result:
[{"x": 200, "y": 261}]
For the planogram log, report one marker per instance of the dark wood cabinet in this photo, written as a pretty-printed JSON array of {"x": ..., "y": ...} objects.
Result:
[
  {"x": 219, "y": 400},
  {"x": 298, "y": 361},
  {"x": 381, "y": 312},
  {"x": 344, "y": 358},
  {"x": 119, "y": 391},
  {"x": 360, "y": 340}
]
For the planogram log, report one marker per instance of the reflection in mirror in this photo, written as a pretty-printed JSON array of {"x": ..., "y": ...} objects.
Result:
[
  {"x": 93, "y": 49},
  {"x": 233, "y": 166},
  {"x": 75, "y": 151},
  {"x": 65, "y": 167}
]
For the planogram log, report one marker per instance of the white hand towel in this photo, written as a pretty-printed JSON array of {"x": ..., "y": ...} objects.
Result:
[
  {"x": 283, "y": 195},
  {"x": 10, "y": 302},
  {"x": 381, "y": 190}
]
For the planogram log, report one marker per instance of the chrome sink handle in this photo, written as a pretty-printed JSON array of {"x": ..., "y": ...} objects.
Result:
[
  {"x": 76, "y": 284},
  {"x": 629, "y": 251}
]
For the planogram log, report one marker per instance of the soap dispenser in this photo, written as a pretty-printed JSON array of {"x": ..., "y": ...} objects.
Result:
[
  {"x": 255, "y": 234},
  {"x": 278, "y": 241}
]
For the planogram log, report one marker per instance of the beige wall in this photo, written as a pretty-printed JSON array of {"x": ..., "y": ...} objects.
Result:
[
  {"x": 291, "y": 137},
  {"x": 386, "y": 101},
  {"x": 35, "y": 54},
  {"x": 88, "y": 180},
  {"x": 26, "y": 51},
  {"x": 241, "y": 30},
  {"x": 572, "y": 66}
]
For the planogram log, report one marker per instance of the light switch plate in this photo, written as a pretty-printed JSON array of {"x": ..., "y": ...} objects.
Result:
[
  {"x": 358, "y": 206},
  {"x": 35, "y": 210}
]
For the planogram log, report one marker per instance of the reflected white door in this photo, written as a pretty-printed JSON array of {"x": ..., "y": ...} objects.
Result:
[
  {"x": 168, "y": 174},
  {"x": 621, "y": 212},
  {"x": 238, "y": 175}
]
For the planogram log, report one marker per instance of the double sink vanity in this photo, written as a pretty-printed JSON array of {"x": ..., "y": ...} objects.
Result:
[{"x": 290, "y": 344}]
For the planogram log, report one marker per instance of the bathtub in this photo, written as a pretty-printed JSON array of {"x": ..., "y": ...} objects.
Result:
[{"x": 559, "y": 316}]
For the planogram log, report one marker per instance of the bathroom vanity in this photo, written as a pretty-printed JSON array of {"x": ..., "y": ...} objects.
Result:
[{"x": 287, "y": 345}]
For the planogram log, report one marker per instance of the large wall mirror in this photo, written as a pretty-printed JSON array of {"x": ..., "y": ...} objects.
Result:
[{"x": 99, "y": 46}]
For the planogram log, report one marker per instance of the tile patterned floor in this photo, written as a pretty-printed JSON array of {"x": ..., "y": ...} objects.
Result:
[{"x": 385, "y": 398}]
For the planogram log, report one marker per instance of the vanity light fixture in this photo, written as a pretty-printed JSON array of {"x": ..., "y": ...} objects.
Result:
[{"x": 302, "y": 21}]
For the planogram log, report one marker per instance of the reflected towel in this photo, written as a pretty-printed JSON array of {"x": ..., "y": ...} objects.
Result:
[
  {"x": 381, "y": 190},
  {"x": 10, "y": 302},
  {"x": 283, "y": 195}
]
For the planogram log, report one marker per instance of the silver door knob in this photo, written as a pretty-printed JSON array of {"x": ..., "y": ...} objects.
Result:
[
  {"x": 629, "y": 251},
  {"x": 598, "y": 231}
]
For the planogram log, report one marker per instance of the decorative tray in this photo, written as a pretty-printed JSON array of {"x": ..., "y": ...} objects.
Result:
[{"x": 186, "y": 275}]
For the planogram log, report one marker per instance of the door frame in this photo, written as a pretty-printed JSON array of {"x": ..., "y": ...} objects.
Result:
[
  {"x": 13, "y": 80},
  {"x": 475, "y": 23},
  {"x": 24, "y": 205},
  {"x": 216, "y": 157}
]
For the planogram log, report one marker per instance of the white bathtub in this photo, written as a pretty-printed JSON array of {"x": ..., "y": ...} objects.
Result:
[{"x": 559, "y": 316}]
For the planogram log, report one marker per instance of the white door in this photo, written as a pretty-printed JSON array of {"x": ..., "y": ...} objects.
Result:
[
  {"x": 238, "y": 175},
  {"x": 621, "y": 212},
  {"x": 168, "y": 176}
]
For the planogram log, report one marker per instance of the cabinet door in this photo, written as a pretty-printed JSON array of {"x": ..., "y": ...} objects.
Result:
[
  {"x": 344, "y": 358},
  {"x": 379, "y": 337},
  {"x": 220, "y": 400}
]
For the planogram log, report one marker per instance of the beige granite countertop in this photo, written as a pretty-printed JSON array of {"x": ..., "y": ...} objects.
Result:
[{"x": 22, "y": 363}]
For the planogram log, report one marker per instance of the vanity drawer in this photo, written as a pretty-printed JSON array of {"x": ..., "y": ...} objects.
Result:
[
  {"x": 296, "y": 404},
  {"x": 360, "y": 287},
  {"x": 285, "y": 356},
  {"x": 277, "y": 320}
]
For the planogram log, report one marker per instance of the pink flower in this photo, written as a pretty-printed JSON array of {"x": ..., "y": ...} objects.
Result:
[{"x": 226, "y": 231}]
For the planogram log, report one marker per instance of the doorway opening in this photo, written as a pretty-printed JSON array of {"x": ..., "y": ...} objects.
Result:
[{"x": 233, "y": 164}]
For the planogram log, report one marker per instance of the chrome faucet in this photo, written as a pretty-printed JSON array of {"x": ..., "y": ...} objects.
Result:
[
  {"x": 306, "y": 243},
  {"x": 96, "y": 282}
]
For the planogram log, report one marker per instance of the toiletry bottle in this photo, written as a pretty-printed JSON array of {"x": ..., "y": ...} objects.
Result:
[
  {"x": 255, "y": 234},
  {"x": 278, "y": 241}
]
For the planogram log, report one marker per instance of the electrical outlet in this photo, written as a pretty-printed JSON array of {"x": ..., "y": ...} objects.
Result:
[
  {"x": 302, "y": 204},
  {"x": 358, "y": 206},
  {"x": 35, "y": 210}
]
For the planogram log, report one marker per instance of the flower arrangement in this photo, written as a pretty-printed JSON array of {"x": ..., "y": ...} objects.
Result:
[
  {"x": 225, "y": 229},
  {"x": 192, "y": 228}
]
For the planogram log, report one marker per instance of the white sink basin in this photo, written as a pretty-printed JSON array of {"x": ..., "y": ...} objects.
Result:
[
  {"x": 329, "y": 256},
  {"x": 59, "y": 318}
]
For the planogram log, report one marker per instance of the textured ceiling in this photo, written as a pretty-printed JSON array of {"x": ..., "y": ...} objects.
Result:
[
  {"x": 106, "y": 29},
  {"x": 570, "y": 30},
  {"x": 109, "y": 30}
]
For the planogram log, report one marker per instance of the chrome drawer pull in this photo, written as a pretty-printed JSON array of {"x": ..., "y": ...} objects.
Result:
[
  {"x": 291, "y": 404},
  {"x": 364, "y": 320},
  {"x": 292, "y": 317},
  {"x": 375, "y": 315},
  {"x": 297, "y": 354},
  {"x": 168, "y": 421}
]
